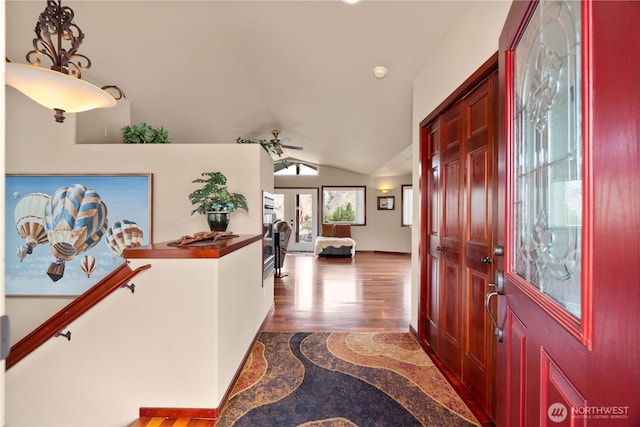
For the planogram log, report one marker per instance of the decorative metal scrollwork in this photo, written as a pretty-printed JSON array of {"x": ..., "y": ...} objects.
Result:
[
  {"x": 56, "y": 23},
  {"x": 119, "y": 92},
  {"x": 59, "y": 38}
]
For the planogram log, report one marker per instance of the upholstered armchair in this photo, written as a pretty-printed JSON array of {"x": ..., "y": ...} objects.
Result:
[{"x": 284, "y": 233}]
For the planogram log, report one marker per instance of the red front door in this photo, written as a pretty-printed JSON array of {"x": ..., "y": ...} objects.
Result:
[{"x": 569, "y": 272}]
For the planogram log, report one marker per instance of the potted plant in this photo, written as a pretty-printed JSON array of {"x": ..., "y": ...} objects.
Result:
[
  {"x": 215, "y": 200},
  {"x": 142, "y": 133}
]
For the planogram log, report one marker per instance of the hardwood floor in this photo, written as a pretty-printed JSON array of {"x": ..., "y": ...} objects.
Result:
[{"x": 370, "y": 292}]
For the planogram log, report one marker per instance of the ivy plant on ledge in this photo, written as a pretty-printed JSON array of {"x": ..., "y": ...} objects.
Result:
[
  {"x": 142, "y": 133},
  {"x": 268, "y": 147}
]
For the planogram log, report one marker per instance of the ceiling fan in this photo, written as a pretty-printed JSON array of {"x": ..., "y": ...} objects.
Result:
[{"x": 279, "y": 144}]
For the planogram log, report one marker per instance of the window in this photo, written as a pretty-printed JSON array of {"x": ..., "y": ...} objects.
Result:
[
  {"x": 407, "y": 206},
  {"x": 344, "y": 205},
  {"x": 286, "y": 167}
]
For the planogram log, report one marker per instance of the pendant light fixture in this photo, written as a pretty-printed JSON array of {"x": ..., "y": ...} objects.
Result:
[{"x": 60, "y": 88}]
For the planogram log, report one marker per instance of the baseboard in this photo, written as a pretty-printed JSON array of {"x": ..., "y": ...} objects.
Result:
[
  {"x": 386, "y": 252},
  {"x": 414, "y": 332}
]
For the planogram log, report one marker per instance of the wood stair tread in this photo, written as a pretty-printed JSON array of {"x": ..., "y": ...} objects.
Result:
[{"x": 172, "y": 422}]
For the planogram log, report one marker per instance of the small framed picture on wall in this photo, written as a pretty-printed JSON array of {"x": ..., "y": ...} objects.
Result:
[{"x": 386, "y": 203}]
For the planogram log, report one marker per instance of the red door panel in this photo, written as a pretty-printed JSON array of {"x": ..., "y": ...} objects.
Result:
[
  {"x": 557, "y": 395},
  {"x": 512, "y": 406},
  {"x": 429, "y": 250},
  {"x": 479, "y": 135},
  {"x": 450, "y": 241},
  {"x": 558, "y": 365}
]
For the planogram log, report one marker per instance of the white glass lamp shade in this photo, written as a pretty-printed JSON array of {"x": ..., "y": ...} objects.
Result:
[{"x": 56, "y": 90}]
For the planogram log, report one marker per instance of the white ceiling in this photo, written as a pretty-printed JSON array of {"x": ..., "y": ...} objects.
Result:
[{"x": 210, "y": 71}]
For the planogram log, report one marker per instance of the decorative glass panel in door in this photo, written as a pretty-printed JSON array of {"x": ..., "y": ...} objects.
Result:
[{"x": 547, "y": 155}]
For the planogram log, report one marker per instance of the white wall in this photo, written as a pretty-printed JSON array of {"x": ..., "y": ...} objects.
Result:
[
  {"x": 176, "y": 342},
  {"x": 383, "y": 231},
  {"x": 468, "y": 45},
  {"x": 50, "y": 148},
  {"x": 388, "y": 232}
]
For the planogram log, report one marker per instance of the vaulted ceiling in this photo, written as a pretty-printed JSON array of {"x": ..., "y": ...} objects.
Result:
[{"x": 211, "y": 71}]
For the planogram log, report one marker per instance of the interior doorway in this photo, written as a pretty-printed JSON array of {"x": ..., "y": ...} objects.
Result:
[{"x": 299, "y": 207}]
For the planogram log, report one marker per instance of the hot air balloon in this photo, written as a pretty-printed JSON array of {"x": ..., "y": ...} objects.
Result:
[
  {"x": 124, "y": 234},
  {"x": 88, "y": 264},
  {"x": 21, "y": 252},
  {"x": 29, "y": 219},
  {"x": 76, "y": 219}
]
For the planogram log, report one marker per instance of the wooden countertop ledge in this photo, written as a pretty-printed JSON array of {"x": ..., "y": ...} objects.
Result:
[{"x": 216, "y": 249}]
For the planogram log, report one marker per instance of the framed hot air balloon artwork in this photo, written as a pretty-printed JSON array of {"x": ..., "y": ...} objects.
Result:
[{"x": 65, "y": 233}]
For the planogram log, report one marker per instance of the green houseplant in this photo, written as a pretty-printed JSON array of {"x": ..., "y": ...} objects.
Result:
[
  {"x": 142, "y": 133},
  {"x": 268, "y": 147},
  {"x": 215, "y": 200}
]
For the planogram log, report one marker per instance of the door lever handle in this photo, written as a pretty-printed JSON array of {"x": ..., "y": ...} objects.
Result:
[{"x": 496, "y": 329}]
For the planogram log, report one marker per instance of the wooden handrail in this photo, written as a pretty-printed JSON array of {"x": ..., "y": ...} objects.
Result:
[{"x": 56, "y": 323}]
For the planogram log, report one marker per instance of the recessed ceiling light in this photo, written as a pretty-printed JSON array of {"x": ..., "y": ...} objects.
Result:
[
  {"x": 379, "y": 72},
  {"x": 350, "y": 1}
]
